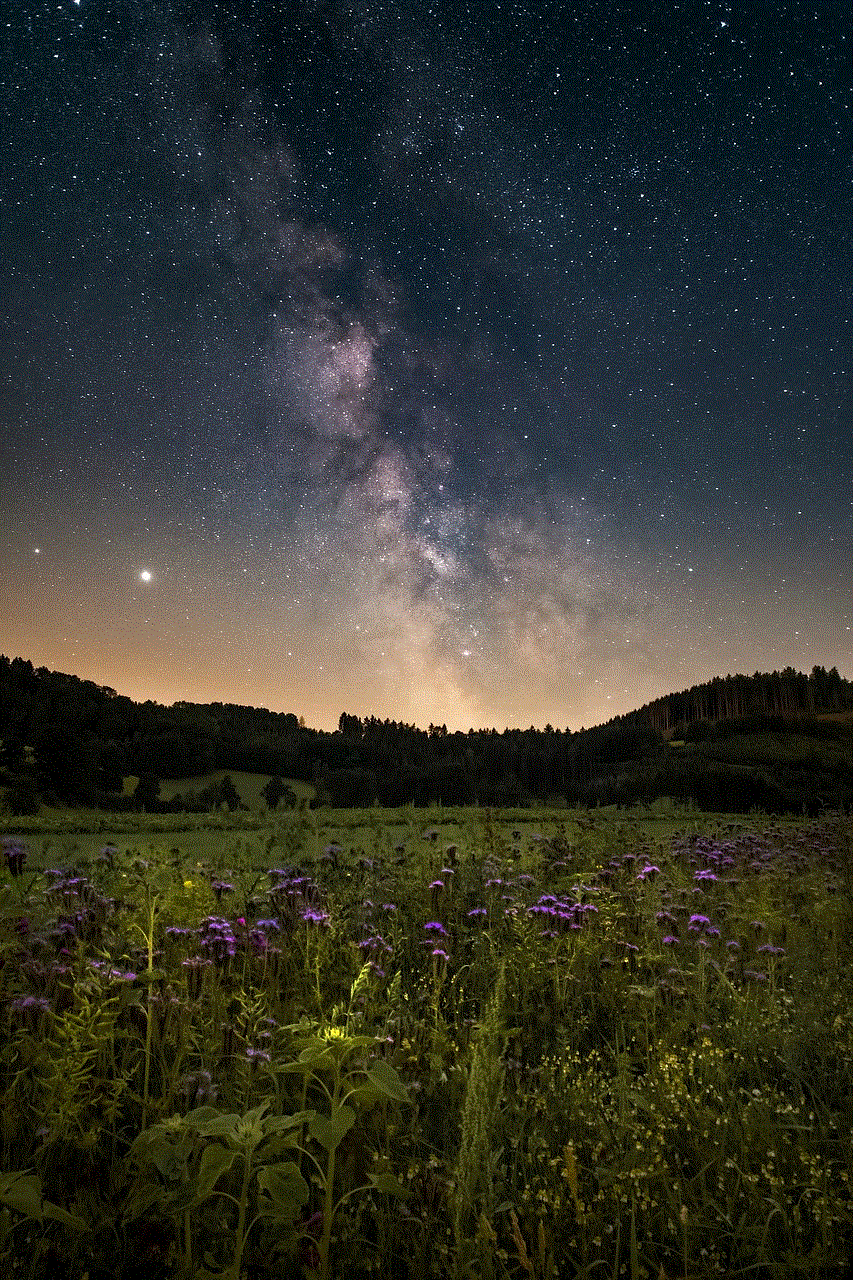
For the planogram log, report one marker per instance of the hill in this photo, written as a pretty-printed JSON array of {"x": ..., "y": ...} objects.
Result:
[{"x": 781, "y": 741}]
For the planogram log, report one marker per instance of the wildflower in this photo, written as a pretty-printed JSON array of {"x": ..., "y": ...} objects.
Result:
[
  {"x": 309, "y": 1237},
  {"x": 476, "y": 913},
  {"x": 198, "y": 1088},
  {"x": 698, "y": 923},
  {"x": 255, "y": 1055},
  {"x": 194, "y": 969},
  {"x": 772, "y": 951},
  {"x": 320, "y": 918},
  {"x": 15, "y": 853},
  {"x": 440, "y": 954},
  {"x": 220, "y": 888},
  {"x": 649, "y": 872},
  {"x": 435, "y": 926},
  {"x": 374, "y": 944},
  {"x": 705, "y": 876},
  {"x": 670, "y": 940},
  {"x": 28, "y": 1004}
]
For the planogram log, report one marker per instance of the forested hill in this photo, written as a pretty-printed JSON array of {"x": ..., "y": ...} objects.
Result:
[
  {"x": 731, "y": 744},
  {"x": 777, "y": 693}
]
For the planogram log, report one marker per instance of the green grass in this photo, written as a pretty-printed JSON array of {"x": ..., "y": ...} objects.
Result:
[
  {"x": 249, "y": 786},
  {"x": 311, "y": 1078}
]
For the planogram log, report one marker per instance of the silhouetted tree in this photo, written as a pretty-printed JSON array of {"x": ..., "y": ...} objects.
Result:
[{"x": 147, "y": 793}]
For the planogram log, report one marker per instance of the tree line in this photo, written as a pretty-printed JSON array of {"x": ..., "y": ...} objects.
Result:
[{"x": 73, "y": 741}]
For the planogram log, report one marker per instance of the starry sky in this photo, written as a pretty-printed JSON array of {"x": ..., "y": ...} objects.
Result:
[{"x": 475, "y": 363}]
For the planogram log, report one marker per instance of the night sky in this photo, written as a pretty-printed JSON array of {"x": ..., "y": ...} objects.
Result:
[{"x": 485, "y": 364}]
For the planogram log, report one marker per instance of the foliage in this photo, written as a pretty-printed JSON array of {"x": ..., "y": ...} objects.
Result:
[
  {"x": 456, "y": 1044},
  {"x": 718, "y": 746}
]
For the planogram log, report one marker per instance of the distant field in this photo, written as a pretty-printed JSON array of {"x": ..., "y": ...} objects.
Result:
[
  {"x": 64, "y": 836},
  {"x": 249, "y": 786}
]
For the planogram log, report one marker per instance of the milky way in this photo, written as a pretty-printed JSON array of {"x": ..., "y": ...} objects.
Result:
[{"x": 486, "y": 365}]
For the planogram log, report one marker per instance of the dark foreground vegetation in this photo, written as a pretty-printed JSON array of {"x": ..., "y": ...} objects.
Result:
[
  {"x": 458, "y": 1044},
  {"x": 782, "y": 742}
]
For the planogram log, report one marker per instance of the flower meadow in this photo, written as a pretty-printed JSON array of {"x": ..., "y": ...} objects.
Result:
[{"x": 467, "y": 1049}]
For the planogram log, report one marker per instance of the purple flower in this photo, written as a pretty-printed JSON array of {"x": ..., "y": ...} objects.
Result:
[
  {"x": 670, "y": 940},
  {"x": 194, "y": 969},
  {"x": 439, "y": 954},
  {"x": 477, "y": 912},
  {"x": 649, "y": 872},
  {"x": 26, "y": 1004},
  {"x": 15, "y": 853},
  {"x": 772, "y": 951},
  {"x": 435, "y": 926}
]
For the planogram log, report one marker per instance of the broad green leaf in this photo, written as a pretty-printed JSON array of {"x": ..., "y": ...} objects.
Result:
[
  {"x": 313, "y": 1052},
  {"x": 22, "y": 1192},
  {"x": 281, "y": 1124},
  {"x": 389, "y": 1186},
  {"x": 253, "y": 1116},
  {"x": 366, "y": 1095},
  {"x": 383, "y": 1076},
  {"x": 286, "y": 1189},
  {"x": 329, "y": 1130},
  {"x": 223, "y": 1125},
  {"x": 359, "y": 1042},
  {"x": 55, "y": 1213},
  {"x": 215, "y": 1161},
  {"x": 164, "y": 1158}
]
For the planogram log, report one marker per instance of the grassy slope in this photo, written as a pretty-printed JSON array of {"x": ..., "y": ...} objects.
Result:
[{"x": 249, "y": 785}]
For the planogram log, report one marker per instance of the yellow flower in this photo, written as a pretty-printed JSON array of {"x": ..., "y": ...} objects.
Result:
[{"x": 188, "y": 884}]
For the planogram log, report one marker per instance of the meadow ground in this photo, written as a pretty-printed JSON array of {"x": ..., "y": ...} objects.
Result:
[{"x": 441, "y": 1043}]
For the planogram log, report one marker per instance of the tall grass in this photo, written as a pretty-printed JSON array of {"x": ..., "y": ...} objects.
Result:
[{"x": 451, "y": 1046}]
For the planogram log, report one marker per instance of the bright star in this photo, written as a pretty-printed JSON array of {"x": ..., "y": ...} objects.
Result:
[{"x": 145, "y": 575}]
